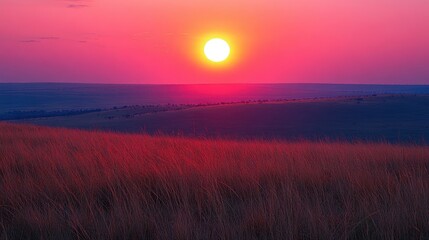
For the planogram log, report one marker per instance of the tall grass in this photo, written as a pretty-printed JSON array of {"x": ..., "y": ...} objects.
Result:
[{"x": 71, "y": 184}]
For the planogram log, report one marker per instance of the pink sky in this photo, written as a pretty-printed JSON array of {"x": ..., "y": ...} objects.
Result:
[{"x": 147, "y": 41}]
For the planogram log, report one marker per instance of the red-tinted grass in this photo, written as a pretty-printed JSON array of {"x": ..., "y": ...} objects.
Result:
[{"x": 69, "y": 184}]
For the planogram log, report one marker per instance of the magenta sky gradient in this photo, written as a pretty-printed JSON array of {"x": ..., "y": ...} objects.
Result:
[{"x": 148, "y": 41}]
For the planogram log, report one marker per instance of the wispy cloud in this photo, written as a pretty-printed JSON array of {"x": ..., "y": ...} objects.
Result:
[
  {"x": 77, "y": 3},
  {"x": 29, "y": 41},
  {"x": 39, "y": 39},
  {"x": 49, "y": 38}
]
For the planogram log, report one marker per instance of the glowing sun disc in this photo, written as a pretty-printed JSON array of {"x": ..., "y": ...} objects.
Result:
[{"x": 217, "y": 50}]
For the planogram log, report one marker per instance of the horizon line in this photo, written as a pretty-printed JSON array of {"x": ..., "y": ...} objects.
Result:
[{"x": 257, "y": 83}]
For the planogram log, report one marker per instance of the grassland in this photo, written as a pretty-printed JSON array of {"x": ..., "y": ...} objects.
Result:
[{"x": 72, "y": 184}]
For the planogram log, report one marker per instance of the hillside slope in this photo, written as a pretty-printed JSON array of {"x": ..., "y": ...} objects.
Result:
[{"x": 393, "y": 118}]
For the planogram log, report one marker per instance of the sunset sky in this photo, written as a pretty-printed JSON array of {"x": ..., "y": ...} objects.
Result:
[{"x": 272, "y": 41}]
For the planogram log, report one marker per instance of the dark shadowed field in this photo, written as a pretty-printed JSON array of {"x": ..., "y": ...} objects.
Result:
[
  {"x": 72, "y": 184},
  {"x": 51, "y": 97},
  {"x": 393, "y": 118}
]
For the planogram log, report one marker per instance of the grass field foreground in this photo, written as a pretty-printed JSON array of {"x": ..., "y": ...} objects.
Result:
[{"x": 71, "y": 184}]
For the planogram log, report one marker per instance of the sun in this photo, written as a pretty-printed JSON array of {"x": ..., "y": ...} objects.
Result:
[{"x": 217, "y": 50}]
